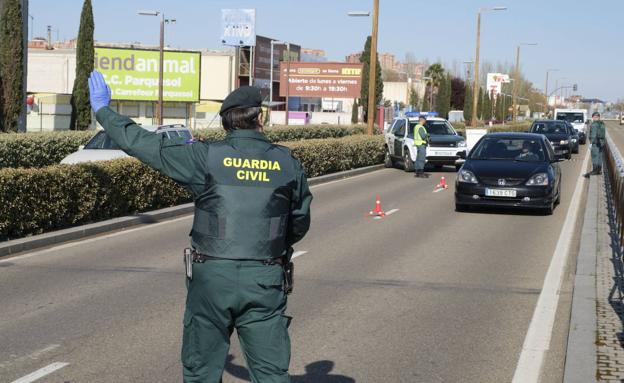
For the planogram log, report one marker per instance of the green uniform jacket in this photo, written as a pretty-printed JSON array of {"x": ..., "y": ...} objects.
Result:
[
  {"x": 597, "y": 134},
  {"x": 188, "y": 164}
]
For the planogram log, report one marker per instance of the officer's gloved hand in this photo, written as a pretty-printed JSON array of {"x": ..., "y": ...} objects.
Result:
[{"x": 99, "y": 92}]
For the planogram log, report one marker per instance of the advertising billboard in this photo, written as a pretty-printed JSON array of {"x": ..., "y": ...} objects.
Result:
[
  {"x": 238, "y": 27},
  {"x": 495, "y": 82},
  {"x": 132, "y": 74},
  {"x": 321, "y": 79}
]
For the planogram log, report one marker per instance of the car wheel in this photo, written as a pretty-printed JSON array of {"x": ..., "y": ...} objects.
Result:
[
  {"x": 568, "y": 156},
  {"x": 549, "y": 210},
  {"x": 461, "y": 208},
  {"x": 576, "y": 150},
  {"x": 558, "y": 200},
  {"x": 388, "y": 162},
  {"x": 408, "y": 164}
]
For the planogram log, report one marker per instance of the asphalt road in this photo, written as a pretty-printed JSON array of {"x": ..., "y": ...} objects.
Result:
[
  {"x": 424, "y": 295},
  {"x": 616, "y": 131}
]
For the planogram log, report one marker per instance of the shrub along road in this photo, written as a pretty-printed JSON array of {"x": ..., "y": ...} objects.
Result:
[{"x": 423, "y": 295}]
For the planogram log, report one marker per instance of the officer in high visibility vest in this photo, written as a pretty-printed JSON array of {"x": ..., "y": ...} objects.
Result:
[
  {"x": 420, "y": 142},
  {"x": 597, "y": 138},
  {"x": 252, "y": 203}
]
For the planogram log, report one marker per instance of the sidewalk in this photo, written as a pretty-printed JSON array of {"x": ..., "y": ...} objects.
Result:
[{"x": 596, "y": 339}]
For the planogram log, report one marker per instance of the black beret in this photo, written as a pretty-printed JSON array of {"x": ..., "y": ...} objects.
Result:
[
  {"x": 243, "y": 97},
  {"x": 595, "y": 114}
]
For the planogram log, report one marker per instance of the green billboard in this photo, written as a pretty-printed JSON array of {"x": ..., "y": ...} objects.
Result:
[{"x": 132, "y": 74}]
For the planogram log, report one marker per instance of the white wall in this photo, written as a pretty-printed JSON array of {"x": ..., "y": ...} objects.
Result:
[
  {"x": 51, "y": 71},
  {"x": 277, "y": 117}
]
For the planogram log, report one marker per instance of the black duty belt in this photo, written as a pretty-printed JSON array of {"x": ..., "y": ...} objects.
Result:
[{"x": 201, "y": 258}]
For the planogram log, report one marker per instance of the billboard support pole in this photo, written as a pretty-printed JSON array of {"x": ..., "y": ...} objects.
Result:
[
  {"x": 251, "y": 64},
  {"x": 159, "y": 110},
  {"x": 287, "y": 79},
  {"x": 271, "y": 87}
]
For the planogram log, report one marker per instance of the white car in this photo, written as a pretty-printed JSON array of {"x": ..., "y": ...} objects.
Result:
[
  {"x": 446, "y": 146},
  {"x": 101, "y": 147},
  {"x": 578, "y": 119}
]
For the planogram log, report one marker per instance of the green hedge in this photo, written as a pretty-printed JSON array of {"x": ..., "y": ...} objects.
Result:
[
  {"x": 34, "y": 201},
  {"x": 45, "y": 149},
  {"x": 39, "y": 149}
]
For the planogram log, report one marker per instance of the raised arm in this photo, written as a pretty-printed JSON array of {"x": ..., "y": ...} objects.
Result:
[{"x": 173, "y": 157}]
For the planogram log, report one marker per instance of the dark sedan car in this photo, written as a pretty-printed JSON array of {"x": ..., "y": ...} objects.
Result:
[
  {"x": 557, "y": 133},
  {"x": 510, "y": 170},
  {"x": 575, "y": 137}
]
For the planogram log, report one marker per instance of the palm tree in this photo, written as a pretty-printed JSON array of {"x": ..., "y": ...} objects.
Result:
[{"x": 436, "y": 73}]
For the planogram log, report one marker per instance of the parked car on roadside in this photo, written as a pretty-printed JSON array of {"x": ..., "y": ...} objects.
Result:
[
  {"x": 446, "y": 146},
  {"x": 102, "y": 148}
]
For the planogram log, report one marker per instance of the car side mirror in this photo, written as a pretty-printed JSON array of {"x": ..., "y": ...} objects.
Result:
[{"x": 81, "y": 147}]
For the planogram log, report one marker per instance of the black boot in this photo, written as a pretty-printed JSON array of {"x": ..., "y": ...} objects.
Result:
[
  {"x": 598, "y": 170},
  {"x": 418, "y": 174}
]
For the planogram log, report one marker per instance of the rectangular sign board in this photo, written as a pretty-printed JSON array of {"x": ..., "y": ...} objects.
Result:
[
  {"x": 238, "y": 27},
  {"x": 132, "y": 74},
  {"x": 321, "y": 79},
  {"x": 494, "y": 83}
]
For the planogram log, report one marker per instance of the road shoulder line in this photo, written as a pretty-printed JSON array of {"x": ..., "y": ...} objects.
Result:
[{"x": 537, "y": 340}]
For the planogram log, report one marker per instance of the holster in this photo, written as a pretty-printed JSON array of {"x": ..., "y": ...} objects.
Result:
[
  {"x": 289, "y": 270},
  {"x": 188, "y": 262}
]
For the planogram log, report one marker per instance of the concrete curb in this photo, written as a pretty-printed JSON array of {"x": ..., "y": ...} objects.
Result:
[
  {"x": 74, "y": 233},
  {"x": 581, "y": 360}
]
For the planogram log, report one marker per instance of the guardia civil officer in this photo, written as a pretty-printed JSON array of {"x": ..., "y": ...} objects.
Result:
[
  {"x": 597, "y": 138},
  {"x": 252, "y": 203},
  {"x": 420, "y": 142}
]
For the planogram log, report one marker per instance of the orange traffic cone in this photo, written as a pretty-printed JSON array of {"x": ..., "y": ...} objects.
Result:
[
  {"x": 377, "y": 211},
  {"x": 442, "y": 184}
]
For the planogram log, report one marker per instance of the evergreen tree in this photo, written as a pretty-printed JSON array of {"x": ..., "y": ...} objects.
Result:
[
  {"x": 81, "y": 108},
  {"x": 458, "y": 93},
  {"x": 443, "y": 100},
  {"x": 11, "y": 65},
  {"x": 500, "y": 107},
  {"x": 354, "y": 112},
  {"x": 365, "y": 59},
  {"x": 468, "y": 104},
  {"x": 413, "y": 98},
  {"x": 480, "y": 105},
  {"x": 487, "y": 106}
]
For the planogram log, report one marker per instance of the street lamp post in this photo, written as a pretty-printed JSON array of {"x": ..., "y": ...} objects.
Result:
[
  {"x": 273, "y": 43},
  {"x": 475, "y": 91},
  {"x": 517, "y": 82},
  {"x": 546, "y": 86},
  {"x": 373, "y": 70},
  {"x": 163, "y": 21}
]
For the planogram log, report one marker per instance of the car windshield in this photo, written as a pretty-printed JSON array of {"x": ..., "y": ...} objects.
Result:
[
  {"x": 549, "y": 127},
  {"x": 436, "y": 128},
  {"x": 570, "y": 117},
  {"x": 102, "y": 141},
  {"x": 516, "y": 149}
]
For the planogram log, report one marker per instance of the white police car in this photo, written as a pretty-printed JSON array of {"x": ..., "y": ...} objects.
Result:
[
  {"x": 446, "y": 146},
  {"x": 102, "y": 148}
]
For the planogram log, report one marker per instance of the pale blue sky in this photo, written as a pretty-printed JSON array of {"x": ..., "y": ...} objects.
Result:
[{"x": 582, "y": 39}]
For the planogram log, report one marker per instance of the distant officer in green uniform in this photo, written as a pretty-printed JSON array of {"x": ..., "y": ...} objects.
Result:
[
  {"x": 252, "y": 203},
  {"x": 597, "y": 138},
  {"x": 420, "y": 142}
]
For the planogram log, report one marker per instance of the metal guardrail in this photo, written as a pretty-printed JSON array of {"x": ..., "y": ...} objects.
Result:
[{"x": 614, "y": 166}]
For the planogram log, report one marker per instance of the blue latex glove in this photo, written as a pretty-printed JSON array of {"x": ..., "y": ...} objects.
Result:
[{"x": 99, "y": 92}]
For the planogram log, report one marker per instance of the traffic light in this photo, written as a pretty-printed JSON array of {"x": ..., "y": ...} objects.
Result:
[{"x": 575, "y": 87}]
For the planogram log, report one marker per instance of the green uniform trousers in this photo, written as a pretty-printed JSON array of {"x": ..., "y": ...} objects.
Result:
[
  {"x": 596, "y": 155},
  {"x": 244, "y": 295},
  {"x": 421, "y": 157}
]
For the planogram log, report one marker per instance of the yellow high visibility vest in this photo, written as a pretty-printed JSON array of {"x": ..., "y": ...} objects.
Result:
[{"x": 418, "y": 141}]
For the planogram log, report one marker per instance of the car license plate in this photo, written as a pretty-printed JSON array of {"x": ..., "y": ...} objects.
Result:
[
  {"x": 500, "y": 193},
  {"x": 444, "y": 153}
]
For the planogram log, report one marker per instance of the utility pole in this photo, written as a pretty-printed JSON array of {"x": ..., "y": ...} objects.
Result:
[
  {"x": 287, "y": 78},
  {"x": 161, "y": 71},
  {"x": 372, "y": 81},
  {"x": 514, "y": 112},
  {"x": 475, "y": 82}
]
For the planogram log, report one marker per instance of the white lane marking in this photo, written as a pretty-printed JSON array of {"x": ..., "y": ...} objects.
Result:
[
  {"x": 98, "y": 238},
  {"x": 537, "y": 340},
  {"x": 389, "y": 212},
  {"x": 298, "y": 254},
  {"x": 47, "y": 370},
  {"x": 32, "y": 356}
]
